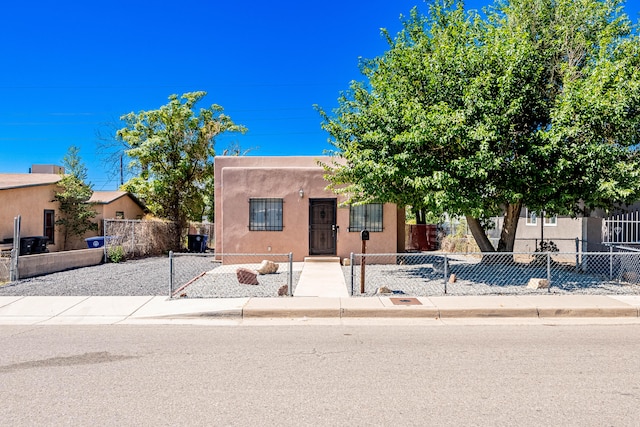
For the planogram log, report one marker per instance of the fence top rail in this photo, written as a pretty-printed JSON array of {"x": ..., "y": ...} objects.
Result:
[
  {"x": 229, "y": 254},
  {"x": 626, "y": 248},
  {"x": 442, "y": 254}
]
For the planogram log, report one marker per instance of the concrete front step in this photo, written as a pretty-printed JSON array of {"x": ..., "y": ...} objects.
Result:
[{"x": 322, "y": 259}]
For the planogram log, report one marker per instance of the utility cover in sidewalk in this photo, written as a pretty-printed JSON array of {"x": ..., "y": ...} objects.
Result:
[{"x": 405, "y": 301}]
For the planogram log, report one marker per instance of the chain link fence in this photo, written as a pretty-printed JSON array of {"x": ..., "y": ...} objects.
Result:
[
  {"x": 142, "y": 238},
  {"x": 5, "y": 266},
  {"x": 431, "y": 274},
  {"x": 138, "y": 238},
  {"x": 210, "y": 275}
]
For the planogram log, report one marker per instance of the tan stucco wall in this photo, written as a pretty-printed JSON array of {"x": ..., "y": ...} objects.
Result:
[
  {"x": 123, "y": 204},
  {"x": 39, "y": 264},
  {"x": 30, "y": 203},
  {"x": 237, "y": 179}
]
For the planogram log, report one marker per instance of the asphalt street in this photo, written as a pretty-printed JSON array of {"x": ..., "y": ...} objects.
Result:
[{"x": 320, "y": 375}]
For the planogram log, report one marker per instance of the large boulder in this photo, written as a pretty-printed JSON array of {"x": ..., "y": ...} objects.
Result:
[
  {"x": 267, "y": 267},
  {"x": 246, "y": 276}
]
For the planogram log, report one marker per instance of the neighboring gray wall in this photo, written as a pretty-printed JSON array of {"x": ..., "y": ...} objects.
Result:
[
  {"x": 39, "y": 264},
  {"x": 592, "y": 234},
  {"x": 563, "y": 234}
]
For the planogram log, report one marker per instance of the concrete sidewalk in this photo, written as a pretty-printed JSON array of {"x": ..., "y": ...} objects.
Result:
[
  {"x": 321, "y": 277},
  {"x": 160, "y": 310}
]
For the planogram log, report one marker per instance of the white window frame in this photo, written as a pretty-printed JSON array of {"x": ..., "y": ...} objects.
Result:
[{"x": 532, "y": 219}]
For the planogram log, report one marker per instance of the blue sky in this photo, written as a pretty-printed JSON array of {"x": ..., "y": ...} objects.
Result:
[{"x": 71, "y": 69}]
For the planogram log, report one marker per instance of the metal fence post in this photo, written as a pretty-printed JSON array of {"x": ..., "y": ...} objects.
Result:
[
  {"x": 170, "y": 274},
  {"x": 610, "y": 262},
  {"x": 290, "y": 274},
  {"x": 352, "y": 259},
  {"x": 105, "y": 224},
  {"x": 446, "y": 272},
  {"x": 549, "y": 271},
  {"x": 14, "y": 272}
]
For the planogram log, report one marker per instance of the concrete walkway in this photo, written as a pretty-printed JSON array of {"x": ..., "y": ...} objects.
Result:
[
  {"x": 321, "y": 277},
  {"x": 445, "y": 309}
]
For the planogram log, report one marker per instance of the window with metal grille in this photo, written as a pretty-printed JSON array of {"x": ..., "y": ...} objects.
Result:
[
  {"x": 49, "y": 225},
  {"x": 265, "y": 214},
  {"x": 367, "y": 217}
]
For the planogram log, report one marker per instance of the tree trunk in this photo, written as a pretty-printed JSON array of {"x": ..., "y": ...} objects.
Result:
[
  {"x": 508, "y": 233},
  {"x": 479, "y": 235}
]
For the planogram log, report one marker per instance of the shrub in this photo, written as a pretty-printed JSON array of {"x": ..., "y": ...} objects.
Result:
[{"x": 115, "y": 254}]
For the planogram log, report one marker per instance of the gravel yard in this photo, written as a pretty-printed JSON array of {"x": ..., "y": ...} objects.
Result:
[
  {"x": 474, "y": 278},
  {"x": 221, "y": 282},
  {"x": 207, "y": 278}
]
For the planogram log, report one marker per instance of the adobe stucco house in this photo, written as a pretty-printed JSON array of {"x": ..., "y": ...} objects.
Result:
[
  {"x": 281, "y": 205},
  {"x": 115, "y": 205},
  {"x": 30, "y": 196}
]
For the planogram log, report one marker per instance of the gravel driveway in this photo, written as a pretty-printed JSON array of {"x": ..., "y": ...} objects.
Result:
[{"x": 149, "y": 276}]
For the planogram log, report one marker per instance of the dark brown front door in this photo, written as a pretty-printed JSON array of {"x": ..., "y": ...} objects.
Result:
[{"x": 322, "y": 226}]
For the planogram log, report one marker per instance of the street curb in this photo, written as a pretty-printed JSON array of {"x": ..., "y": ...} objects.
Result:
[
  {"x": 589, "y": 312},
  {"x": 448, "y": 313},
  {"x": 255, "y": 313},
  {"x": 418, "y": 312},
  {"x": 225, "y": 314},
  {"x": 505, "y": 312}
]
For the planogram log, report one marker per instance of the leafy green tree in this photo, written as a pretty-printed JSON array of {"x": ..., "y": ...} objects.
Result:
[
  {"x": 533, "y": 103},
  {"x": 173, "y": 150},
  {"x": 76, "y": 212}
]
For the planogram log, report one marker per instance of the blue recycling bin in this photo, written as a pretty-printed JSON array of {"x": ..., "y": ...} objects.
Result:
[{"x": 95, "y": 242}]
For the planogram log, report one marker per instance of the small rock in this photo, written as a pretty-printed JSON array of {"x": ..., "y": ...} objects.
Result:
[
  {"x": 283, "y": 291},
  {"x": 538, "y": 284},
  {"x": 438, "y": 266},
  {"x": 384, "y": 290},
  {"x": 246, "y": 276},
  {"x": 452, "y": 278},
  {"x": 267, "y": 267},
  {"x": 346, "y": 262}
]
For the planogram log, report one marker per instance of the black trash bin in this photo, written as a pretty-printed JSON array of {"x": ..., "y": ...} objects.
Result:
[
  {"x": 26, "y": 245},
  {"x": 40, "y": 245},
  {"x": 197, "y": 242},
  {"x": 33, "y": 245}
]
